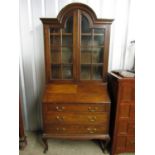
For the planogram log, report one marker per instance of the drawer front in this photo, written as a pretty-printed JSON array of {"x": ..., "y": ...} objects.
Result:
[
  {"x": 64, "y": 107},
  {"x": 71, "y": 118},
  {"x": 130, "y": 145},
  {"x": 124, "y": 111},
  {"x": 76, "y": 129},
  {"x": 122, "y": 127},
  {"x": 131, "y": 128},
  {"x": 125, "y": 144},
  {"x": 126, "y": 128},
  {"x": 120, "y": 144},
  {"x": 132, "y": 112},
  {"x": 127, "y": 92}
]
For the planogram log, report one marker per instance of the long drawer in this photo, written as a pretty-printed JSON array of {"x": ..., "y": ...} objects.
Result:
[
  {"x": 125, "y": 144},
  {"x": 78, "y": 118},
  {"x": 131, "y": 128},
  {"x": 130, "y": 145},
  {"x": 69, "y": 107},
  {"x": 76, "y": 129}
]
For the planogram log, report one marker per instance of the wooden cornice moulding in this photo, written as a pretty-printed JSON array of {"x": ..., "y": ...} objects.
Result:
[{"x": 63, "y": 14}]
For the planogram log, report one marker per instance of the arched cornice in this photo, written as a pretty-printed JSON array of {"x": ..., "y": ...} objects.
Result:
[{"x": 70, "y": 8}]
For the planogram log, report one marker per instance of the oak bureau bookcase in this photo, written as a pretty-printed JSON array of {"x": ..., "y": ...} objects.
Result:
[{"x": 75, "y": 103}]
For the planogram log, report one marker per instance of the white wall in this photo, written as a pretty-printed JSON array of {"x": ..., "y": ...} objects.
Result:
[{"x": 32, "y": 48}]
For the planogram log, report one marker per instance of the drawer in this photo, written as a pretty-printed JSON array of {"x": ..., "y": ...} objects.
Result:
[
  {"x": 122, "y": 127},
  {"x": 130, "y": 145},
  {"x": 132, "y": 112},
  {"x": 127, "y": 92},
  {"x": 76, "y": 129},
  {"x": 124, "y": 111},
  {"x": 120, "y": 143},
  {"x": 131, "y": 128},
  {"x": 78, "y": 118},
  {"x": 64, "y": 107}
]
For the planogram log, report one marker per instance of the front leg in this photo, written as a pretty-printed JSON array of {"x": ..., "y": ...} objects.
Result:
[
  {"x": 105, "y": 144},
  {"x": 46, "y": 144}
]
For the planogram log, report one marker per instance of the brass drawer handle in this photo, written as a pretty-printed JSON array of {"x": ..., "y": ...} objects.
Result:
[
  {"x": 61, "y": 129},
  {"x": 92, "y": 118},
  {"x": 60, "y": 108},
  {"x": 91, "y": 130},
  {"x": 60, "y": 118},
  {"x": 92, "y": 109}
]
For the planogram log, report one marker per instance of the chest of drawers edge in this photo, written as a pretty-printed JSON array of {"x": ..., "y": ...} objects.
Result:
[{"x": 117, "y": 91}]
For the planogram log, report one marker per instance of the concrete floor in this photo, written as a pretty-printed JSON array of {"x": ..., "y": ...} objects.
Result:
[{"x": 61, "y": 147}]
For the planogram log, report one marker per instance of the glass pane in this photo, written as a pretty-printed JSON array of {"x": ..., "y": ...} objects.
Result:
[
  {"x": 66, "y": 55},
  {"x": 85, "y": 72},
  {"x": 85, "y": 55},
  {"x": 99, "y": 40},
  {"x": 69, "y": 25},
  {"x": 55, "y": 40},
  {"x": 54, "y": 30},
  {"x": 97, "y": 55},
  {"x": 97, "y": 72},
  {"x": 67, "y": 40},
  {"x": 85, "y": 25},
  {"x": 55, "y": 71},
  {"x": 67, "y": 72},
  {"x": 98, "y": 30},
  {"x": 55, "y": 55},
  {"x": 86, "y": 41}
]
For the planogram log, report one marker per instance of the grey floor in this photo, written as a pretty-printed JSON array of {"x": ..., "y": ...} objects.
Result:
[{"x": 61, "y": 147}]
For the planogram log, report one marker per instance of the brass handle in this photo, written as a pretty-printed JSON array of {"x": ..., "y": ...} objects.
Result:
[
  {"x": 92, "y": 119},
  {"x": 59, "y": 129},
  {"x": 60, "y": 118},
  {"x": 60, "y": 108},
  {"x": 91, "y": 130},
  {"x": 92, "y": 109}
]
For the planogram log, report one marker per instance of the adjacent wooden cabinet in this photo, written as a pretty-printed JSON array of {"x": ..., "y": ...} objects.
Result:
[
  {"x": 122, "y": 92},
  {"x": 76, "y": 104}
]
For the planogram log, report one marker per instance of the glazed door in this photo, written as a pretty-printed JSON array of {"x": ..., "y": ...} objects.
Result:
[
  {"x": 77, "y": 49},
  {"x": 61, "y": 51},
  {"x": 91, "y": 50}
]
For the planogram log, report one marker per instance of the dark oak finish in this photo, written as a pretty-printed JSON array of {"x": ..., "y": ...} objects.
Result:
[
  {"x": 122, "y": 92},
  {"x": 76, "y": 113},
  {"x": 76, "y": 104}
]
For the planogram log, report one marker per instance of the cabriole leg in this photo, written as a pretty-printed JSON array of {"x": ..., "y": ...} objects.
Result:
[
  {"x": 46, "y": 144},
  {"x": 104, "y": 144}
]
